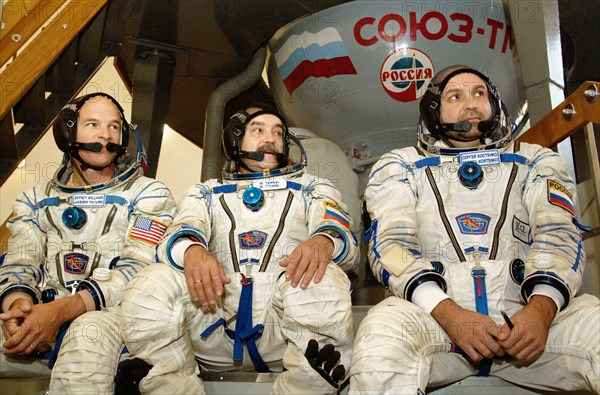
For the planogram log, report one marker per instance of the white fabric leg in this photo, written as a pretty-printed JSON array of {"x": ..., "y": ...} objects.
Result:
[
  {"x": 166, "y": 328},
  {"x": 322, "y": 312},
  {"x": 156, "y": 307},
  {"x": 89, "y": 355},
  {"x": 395, "y": 349},
  {"x": 410, "y": 352},
  {"x": 571, "y": 360}
]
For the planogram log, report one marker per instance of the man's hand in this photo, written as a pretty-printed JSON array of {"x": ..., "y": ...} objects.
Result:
[
  {"x": 309, "y": 259},
  {"x": 31, "y": 327},
  {"x": 527, "y": 340},
  {"x": 325, "y": 362},
  {"x": 473, "y": 332},
  {"x": 204, "y": 275},
  {"x": 13, "y": 318}
]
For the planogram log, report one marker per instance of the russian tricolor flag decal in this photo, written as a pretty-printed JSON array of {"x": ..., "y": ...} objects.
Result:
[
  {"x": 559, "y": 196},
  {"x": 321, "y": 54}
]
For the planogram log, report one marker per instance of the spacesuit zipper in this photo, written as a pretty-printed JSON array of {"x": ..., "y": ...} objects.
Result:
[
  {"x": 443, "y": 216},
  {"x": 234, "y": 258},
  {"x": 105, "y": 230},
  {"x": 503, "y": 212},
  {"x": 277, "y": 234},
  {"x": 61, "y": 280}
]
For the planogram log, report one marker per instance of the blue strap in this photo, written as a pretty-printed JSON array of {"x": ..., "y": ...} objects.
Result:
[
  {"x": 513, "y": 158},
  {"x": 244, "y": 333},
  {"x": 212, "y": 328},
  {"x": 485, "y": 366},
  {"x": 113, "y": 199},
  {"x": 257, "y": 360},
  {"x": 482, "y": 307},
  {"x": 229, "y": 188},
  {"x": 53, "y": 354},
  {"x": 52, "y": 201},
  {"x": 294, "y": 185},
  {"x": 431, "y": 161},
  {"x": 225, "y": 188},
  {"x": 456, "y": 349},
  {"x": 480, "y": 292},
  {"x": 253, "y": 261}
]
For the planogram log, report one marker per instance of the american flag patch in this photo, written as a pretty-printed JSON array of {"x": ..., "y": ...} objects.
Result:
[
  {"x": 147, "y": 230},
  {"x": 559, "y": 196}
]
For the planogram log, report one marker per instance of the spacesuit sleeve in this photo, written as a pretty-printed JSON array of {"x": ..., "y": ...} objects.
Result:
[
  {"x": 328, "y": 214},
  {"x": 22, "y": 267},
  {"x": 192, "y": 221},
  {"x": 394, "y": 254},
  {"x": 556, "y": 255},
  {"x": 151, "y": 211}
]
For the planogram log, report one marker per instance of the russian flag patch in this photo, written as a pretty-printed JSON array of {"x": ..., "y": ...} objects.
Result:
[
  {"x": 332, "y": 212},
  {"x": 559, "y": 196}
]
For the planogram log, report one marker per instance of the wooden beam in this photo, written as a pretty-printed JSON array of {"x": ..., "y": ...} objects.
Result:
[
  {"x": 26, "y": 27},
  {"x": 555, "y": 127},
  {"x": 14, "y": 11},
  {"x": 35, "y": 59}
]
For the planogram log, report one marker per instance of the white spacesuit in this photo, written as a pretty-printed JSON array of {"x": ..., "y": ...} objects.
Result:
[
  {"x": 487, "y": 226},
  {"x": 66, "y": 239},
  {"x": 250, "y": 223}
]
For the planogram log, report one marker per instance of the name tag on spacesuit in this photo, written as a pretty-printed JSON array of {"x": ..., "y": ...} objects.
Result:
[
  {"x": 268, "y": 185},
  {"x": 482, "y": 158},
  {"x": 88, "y": 200}
]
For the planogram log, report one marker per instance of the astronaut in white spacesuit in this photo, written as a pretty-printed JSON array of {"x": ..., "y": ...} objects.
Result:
[
  {"x": 464, "y": 226},
  {"x": 75, "y": 243},
  {"x": 255, "y": 270}
]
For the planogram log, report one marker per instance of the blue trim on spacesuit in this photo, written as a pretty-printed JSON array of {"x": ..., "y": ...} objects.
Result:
[
  {"x": 429, "y": 161},
  {"x": 339, "y": 230},
  {"x": 20, "y": 269},
  {"x": 20, "y": 288},
  {"x": 94, "y": 289},
  {"x": 185, "y": 231},
  {"x": 436, "y": 160},
  {"x": 259, "y": 175},
  {"x": 578, "y": 259},
  {"x": 548, "y": 278},
  {"x": 137, "y": 198},
  {"x": 98, "y": 187},
  {"x": 231, "y": 188},
  {"x": 228, "y": 188},
  {"x": 508, "y": 158},
  {"x": 54, "y": 201},
  {"x": 422, "y": 277}
]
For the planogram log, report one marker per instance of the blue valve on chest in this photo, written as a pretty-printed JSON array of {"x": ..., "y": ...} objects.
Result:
[
  {"x": 74, "y": 217},
  {"x": 470, "y": 174},
  {"x": 253, "y": 198}
]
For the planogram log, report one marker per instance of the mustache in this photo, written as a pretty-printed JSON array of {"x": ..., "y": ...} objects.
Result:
[
  {"x": 268, "y": 148},
  {"x": 472, "y": 114}
]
